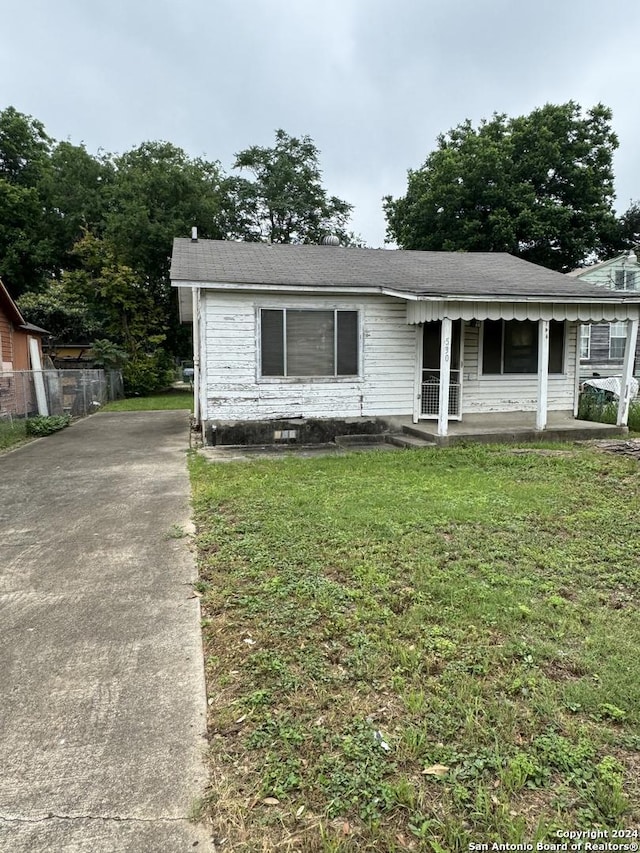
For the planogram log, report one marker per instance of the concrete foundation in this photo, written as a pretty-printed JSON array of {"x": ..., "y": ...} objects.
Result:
[
  {"x": 296, "y": 431},
  {"x": 497, "y": 427}
]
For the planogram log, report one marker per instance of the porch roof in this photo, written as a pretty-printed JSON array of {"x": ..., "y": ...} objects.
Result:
[{"x": 582, "y": 311}]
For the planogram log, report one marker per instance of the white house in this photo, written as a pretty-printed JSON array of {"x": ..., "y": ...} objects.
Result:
[
  {"x": 602, "y": 344},
  {"x": 325, "y": 333}
]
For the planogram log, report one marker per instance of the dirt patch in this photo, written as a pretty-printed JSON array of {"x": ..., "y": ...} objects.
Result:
[
  {"x": 629, "y": 447},
  {"x": 563, "y": 670}
]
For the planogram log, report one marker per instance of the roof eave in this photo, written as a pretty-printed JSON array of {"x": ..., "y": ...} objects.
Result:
[
  {"x": 36, "y": 330},
  {"x": 616, "y": 297},
  {"x": 292, "y": 288},
  {"x": 12, "y": 309},
  {"x": 535, "y": 297}
]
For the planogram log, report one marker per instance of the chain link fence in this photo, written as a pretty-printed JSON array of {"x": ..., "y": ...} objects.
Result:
[{"x": 26, "y": 393}]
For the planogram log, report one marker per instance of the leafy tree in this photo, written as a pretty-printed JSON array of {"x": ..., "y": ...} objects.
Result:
[
  {"x": 285, "y": 202},
  {"x": 24, "y": 160},
  {"x": 159, "y": 193},
  {"x": 76, "y": 194},
  {"x": 629, "y": 228},
  {"x": 67, "y": 315},
  {"x": 105, "y": 354},
  {"x": 537, "y": 186},
  {"x": 24, "y": 148},
  {"x": 128, "y": 313},
  {"x": 85, "y": 241},
  {"x": 131, "y": 317}
]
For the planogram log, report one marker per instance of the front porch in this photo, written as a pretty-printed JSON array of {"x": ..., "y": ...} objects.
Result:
[
  {"x": 514, "y": 365},
  {"x": 506, "y": 427}
]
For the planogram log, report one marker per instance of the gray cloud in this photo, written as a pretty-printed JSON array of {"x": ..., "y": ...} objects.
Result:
[{"x": 372, "y": 82}]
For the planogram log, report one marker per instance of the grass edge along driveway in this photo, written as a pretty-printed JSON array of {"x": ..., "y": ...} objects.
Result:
[
  {"x": 13, "y": 432},
  {"x": 420, "y": 650}
]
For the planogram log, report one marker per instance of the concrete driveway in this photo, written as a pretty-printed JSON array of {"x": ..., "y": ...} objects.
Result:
[{"x": 102, "y": 697}]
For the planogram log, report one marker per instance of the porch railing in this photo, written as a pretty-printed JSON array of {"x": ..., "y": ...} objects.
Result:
[{"x": 430, "y": 399}]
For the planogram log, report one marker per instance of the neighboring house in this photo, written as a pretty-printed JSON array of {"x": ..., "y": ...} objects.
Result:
[
  {"x": 602, "y": 344},
  {"x": 20, "y": 349},
  {"x": 331, "y": 333},
  {"x": 15, "y": 334},
  {"x": 76, "y": 356}
]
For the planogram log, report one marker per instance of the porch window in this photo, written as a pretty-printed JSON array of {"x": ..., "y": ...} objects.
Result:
[
  {"x": 617, "y": 339},
  {"x": 585, "y": 342},
  {"x": 298, "y": 343},
  {"x": 511, "y": 346}
]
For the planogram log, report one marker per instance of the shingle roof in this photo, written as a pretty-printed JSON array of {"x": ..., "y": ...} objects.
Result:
[{"x": 481, "y": 274}]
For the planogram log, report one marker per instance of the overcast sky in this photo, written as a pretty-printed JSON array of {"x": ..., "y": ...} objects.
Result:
[{"x": 372, "y": 82}]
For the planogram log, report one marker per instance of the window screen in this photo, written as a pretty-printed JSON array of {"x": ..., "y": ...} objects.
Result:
[
  {"x": 556, "y": 346},
  {"x": 492, "y": 347},
  {"x": 309, "y": 343},
  {"x": 511, "y": 346},
  {"x": 272, "y": 343}
]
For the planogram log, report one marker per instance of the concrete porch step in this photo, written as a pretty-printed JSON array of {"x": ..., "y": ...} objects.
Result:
[
  {"x": 412, "y": 442},
  {"x": 356, "y": 440}
]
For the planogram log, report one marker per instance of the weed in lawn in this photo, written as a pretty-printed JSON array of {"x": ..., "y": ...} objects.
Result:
[
  {"x": 415, "y": 701},
  {"x": 196, "y": 810},
  {"x": 176, "y": 531},
  {"x": 608, "y": 795},
  {"x": 522, "y": 769},
  {"x": 415, "y": 743}
]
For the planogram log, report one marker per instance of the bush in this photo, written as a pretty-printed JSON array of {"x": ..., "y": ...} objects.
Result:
[
  {"x": 634, "y": 417},
  {"x": 42, "y": 425},
  {"x": 144, "y": 374},
  {"x": 592, "y": 406}
]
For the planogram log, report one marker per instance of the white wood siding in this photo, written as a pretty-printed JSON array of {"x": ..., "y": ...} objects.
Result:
[
  {"x": 605, "y": 275},
  {"x": 234, "y": 390},
  {"x": 514, "y": 392}
]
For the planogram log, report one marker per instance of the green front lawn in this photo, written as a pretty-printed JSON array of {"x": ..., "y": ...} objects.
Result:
[
  {"x": 420, "y": 650},
  {"x": 175, "y": 399}
]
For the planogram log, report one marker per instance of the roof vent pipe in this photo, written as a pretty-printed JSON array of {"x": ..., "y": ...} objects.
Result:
[
  {"x": 194, "y": 234},
  {"x": 330, "y": 240}
]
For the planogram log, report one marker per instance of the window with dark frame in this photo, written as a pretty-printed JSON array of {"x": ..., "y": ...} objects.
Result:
[
  {"x": 308, "y": 342},
  {"x": 511, "y": 346},
  {"x": 624, "y": 279}
]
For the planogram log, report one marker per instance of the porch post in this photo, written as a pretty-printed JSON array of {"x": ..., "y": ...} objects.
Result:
[
  {"x": 576, "y": 380},
  {"x": 445, "y": 375},
  {"x": 627, "y": 372},
  {"x": 543, "y": 373},
  {"x": 195, "y": 307},
  {"x": 417, "y": 379}
]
